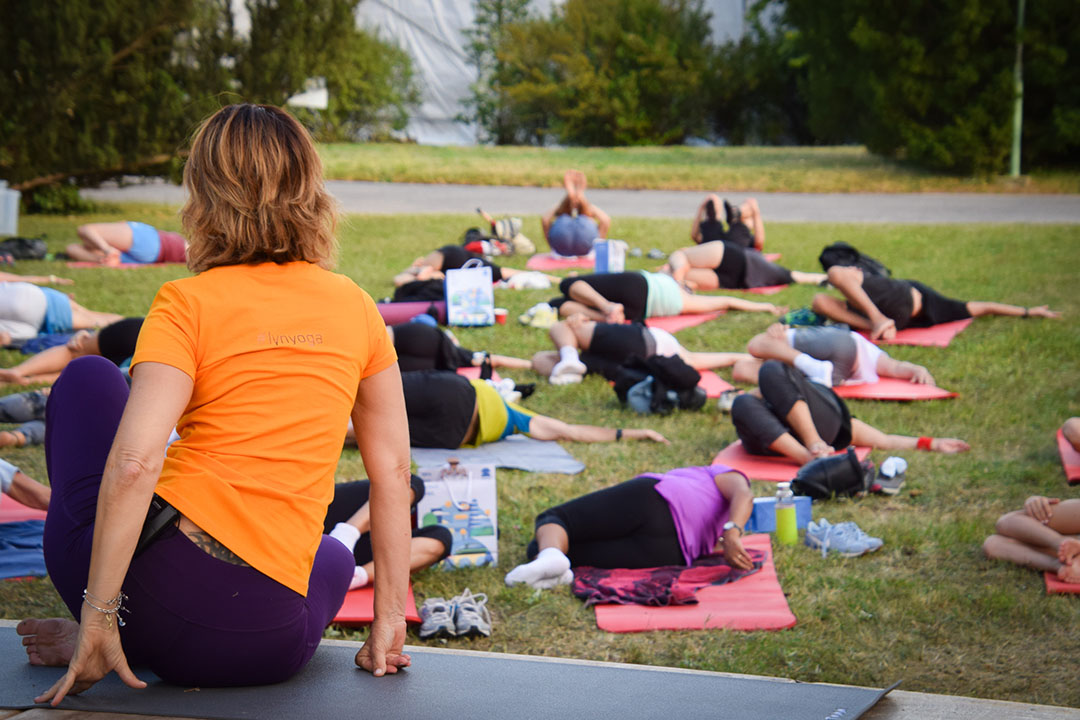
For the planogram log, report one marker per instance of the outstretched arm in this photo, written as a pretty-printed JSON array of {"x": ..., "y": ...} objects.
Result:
[
  {"x": 542, "y": 427},
  {"x": 848, "y": 280},
  {"x": 888, "y": 367}
]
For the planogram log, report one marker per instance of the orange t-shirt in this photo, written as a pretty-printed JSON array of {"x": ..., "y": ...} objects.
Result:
[{"x": 276, "y": 353}]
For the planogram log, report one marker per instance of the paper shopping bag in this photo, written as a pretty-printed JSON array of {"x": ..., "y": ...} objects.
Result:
[
  {"x": 470, "y": 299},
  {"x": 462, "y": 498}
]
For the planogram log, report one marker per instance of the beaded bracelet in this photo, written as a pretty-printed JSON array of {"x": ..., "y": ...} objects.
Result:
[{"x": 117, "y": 604}]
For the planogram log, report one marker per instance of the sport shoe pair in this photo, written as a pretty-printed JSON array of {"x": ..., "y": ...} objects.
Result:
[
  {"x": 465, "y": 615},
  {"x": 846, "y": 539},
  {"x": 540, "y": 315}
]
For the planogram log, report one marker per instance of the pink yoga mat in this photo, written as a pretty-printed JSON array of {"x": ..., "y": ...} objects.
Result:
[
  {"x": 755, "y": 602},
  {"x": 765, "y": 467},
  {"x": 547, "y": 261},
  {"x": 121, "y": 266},
  {"x": 675, "y": 323},
  {"x": 359, "y": 607},
  {"x": 1070, "y": 459},
  {"x": 399, "y": 312},
  {"x": 764, "y": 289},
  {"x": 713, "y": 384},
  {"x": 14, "y": 511},
  {"x": 892, "y": 389},
  {"x": 473, "y": 373},
  {"x": 772, "y": 257},
  {"x": 933, "y": 336},
  {"x": 1055, "y": 586}
]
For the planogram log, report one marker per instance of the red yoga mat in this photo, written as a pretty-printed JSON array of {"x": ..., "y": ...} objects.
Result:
[
  {"x": 713, "y": 384},
  {"x": 764, "y": 289},
  {"x": 359, "y": 607},
  {"x": 933, "y": 336},
  {"x": 1070, "y": 459},
  {"x": 121, "y": 266},
  {"x": 473, "y": 373},
  {"x": 399, "y": 312},
  {"x": 893, "y": 389},
  {"x": 772, "y": 468},
  {"x": 547, "y": 261},
  {"x": 1055, "y": 586},
  {"x": 755, "y": 602},
  {"x": 772, "y": 257},
  {"x": 675, "y": 323},
  {"x": 14, "y": 511}
]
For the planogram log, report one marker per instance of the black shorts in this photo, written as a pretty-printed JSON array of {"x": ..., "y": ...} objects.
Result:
[
  {"x": 455, "y": 256},
  {"x": 629, "y": 289},
  {"x": 612, "y": 345},
  {"x": 936, "y": 308},
  {"x": 422, "y": 347},
  {"x": 439, "y": 405}
]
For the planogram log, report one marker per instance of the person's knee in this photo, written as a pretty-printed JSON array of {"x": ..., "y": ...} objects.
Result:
[
  {"x": 1071, "y": 430},
  {"x": 993, "y": 547},
  {"x": 758, "y": 345},
  {"x": 771, "y": 373},
  {"x": 746, "y": 371},
  {"x": 1006, "y": 524}
]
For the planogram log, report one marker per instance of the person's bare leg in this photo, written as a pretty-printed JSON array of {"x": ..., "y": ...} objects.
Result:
[
  {"x": 801, "y": 422},
  {"x": 767, "y": 346},
  {"x": 867, "y": 436},
  {"x": 746, "y": 371},
  {"x": 572, "y": 307},
  {"x": 80, "y": 253},
  {"x": 849, "y": 280},
  {"x": 586, "y": 295},
  {"x": 712, "y": 360},
  {"x": 48, "y": 361},
  {"x": 1024, "y": 540},
  {"x": 543, "y": 362},
  {"x": 808, "y": 278},
  {"x": 423, "y": 552},
  {"x": 837, "y": 310},
  {"x": 789, "y": 447},
  {"x": 81, "y": 318},
  {"x": 978, "y": 308},
  {"x": 513, "y": 363},
  {"x": 1071, "y": 430},
  {"x": 49, "y": 641},
  {"x": 105, "y": 241},
  {"x": 696, "y": 304},
  {"x": 751, "y": 215},
  {"x": 1001, "y": 547},
  {"x": 12, "y": 438},
  {"x": 551, "y": 566}
]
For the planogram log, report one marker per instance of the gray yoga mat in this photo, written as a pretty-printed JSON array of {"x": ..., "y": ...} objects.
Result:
[
  {"x": 517, "y": 451},
  {"x": 453, "y": 684}
]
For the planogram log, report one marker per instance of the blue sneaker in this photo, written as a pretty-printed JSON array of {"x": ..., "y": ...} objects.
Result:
[
  {"x": 872, "y": 543},
  {"x": 839, "y": 539}
]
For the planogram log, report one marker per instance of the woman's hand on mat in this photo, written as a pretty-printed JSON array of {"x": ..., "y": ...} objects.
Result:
[
  {"x": 949, "y": 446},
  {"x": 734, "y": 552},
  {"x": 1043, "y": 311},
  {"x": 645, "y": 434},
  {"x": 382, "y": 653},
  {"x": 1041, "y": 508},
  {"x": 922, "y": 376},
  {"x": 97, "y": 653}
]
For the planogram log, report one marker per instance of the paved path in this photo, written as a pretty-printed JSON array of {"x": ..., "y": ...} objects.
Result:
[{"x": 926, "y": 208}]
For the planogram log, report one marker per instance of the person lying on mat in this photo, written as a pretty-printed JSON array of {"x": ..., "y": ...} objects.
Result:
[
  {"x": 421, "y": 346},
  {"x": 884, "y": 305},
  {"x": 447, "y": 410},
  {"x": 127, "y": 242},
  {"x": 829, "y": 355},
  {"x": 745, "y": 226},
  {"x": 22, "y": 488},
  {"x": 790, "y": 415},
  {"x": 720, "y": 265},
  {"x": 1071, "y": 431},
  {"x": 348, "y": 520},
  {"x": 586, "y": 346},
  {"x": 636, "y": 295},
  {"x": 115, "y": 342},
  {"x": 27, "y": 409},
  {"x": 27, "y": 310},
  {"x": 240, "y": 582},
  {"x": 655, "y": 519},
  {"x": 1043, "y": 535},
  {"x": 572, "y": 226},
  {"x": 434, "y": 265}
]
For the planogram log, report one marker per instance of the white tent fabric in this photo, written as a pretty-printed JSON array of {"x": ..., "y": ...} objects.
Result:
[{"x": 431, "y": 32}]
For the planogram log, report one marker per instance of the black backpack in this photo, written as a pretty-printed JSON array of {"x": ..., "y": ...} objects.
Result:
[
  {"x": 842, "y": 254},
  {"x": 825, "y": 477},
  {"x": 22, "y": 248},
  {"x": 674, "y": 384}
]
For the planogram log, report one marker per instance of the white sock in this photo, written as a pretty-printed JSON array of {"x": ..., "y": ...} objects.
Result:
[
  {"x": 550, "y": 564},
  {"x": 568, "y": 354},
  {"x": 346, "y": 534},
  {"x": 819, "y": 371},
  {"x": 547, "y": 583},
  {"x": 359, "y": 578},
  {"x": 568, "y": 366}
]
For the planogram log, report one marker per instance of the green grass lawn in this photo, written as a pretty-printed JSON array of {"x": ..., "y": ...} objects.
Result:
[
  {"x": 735, "y": 169},
  {"x": 927, "y": 609}
]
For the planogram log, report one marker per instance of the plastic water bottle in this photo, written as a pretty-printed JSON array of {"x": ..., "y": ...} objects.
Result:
[{"x": 787, "y": 529}]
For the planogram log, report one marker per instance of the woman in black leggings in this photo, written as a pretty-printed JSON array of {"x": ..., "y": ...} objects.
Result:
[
  {"x": 804, "y": 420},
  {"x": 420, "y": 346},
  {"x": 721, "y": 264},
  {"x": 649, "y": 521}
]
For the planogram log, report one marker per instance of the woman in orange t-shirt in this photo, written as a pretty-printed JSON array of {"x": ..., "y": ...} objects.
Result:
[{"x": 231, "y": 581}]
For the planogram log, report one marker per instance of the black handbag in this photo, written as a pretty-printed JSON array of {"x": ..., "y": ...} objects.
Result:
[{"x": 825, "y": 477}]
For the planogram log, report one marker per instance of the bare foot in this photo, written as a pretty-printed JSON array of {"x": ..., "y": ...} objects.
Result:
[
  {"x": 778, "y": 310},
  {"x": 1069, "y": 573},
  {"x": 615, "y": 314},
  {"x": 1069, "y": 551},
  {"x": 8, "y": 375},
  {"x": 820, "y": 449},
  {"x": 776, "y": 330},
  {"x": 11, "y": 438},
  {"x": 949, "y": 446},
  {"x": 50, "y": 641}
]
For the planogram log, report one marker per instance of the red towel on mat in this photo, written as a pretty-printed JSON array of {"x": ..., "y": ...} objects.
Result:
[
  {"x": 764, "y": 289},
  {"x": 755, "y": 602},
  {"x": 1070, "y": 459},
  {"x": 713, "y": 384},
  {"x": 547, "y": 261},
  {"x": 359, "y": 607},
  {"x": 675, "y": 323},
  {"x": 473, "y": 373},
  {"x": 773, "y": 468},
  {"x": 892, "y": 389},
  {"x": 933, "y": 336},
  {"x": 1055, "y": 586}
]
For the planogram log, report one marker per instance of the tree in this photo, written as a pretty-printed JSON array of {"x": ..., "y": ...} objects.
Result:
[{"x": 488, "y": 105}]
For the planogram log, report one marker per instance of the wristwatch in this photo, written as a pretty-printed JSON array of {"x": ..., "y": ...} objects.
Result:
[{"x": 731, "y": 524}]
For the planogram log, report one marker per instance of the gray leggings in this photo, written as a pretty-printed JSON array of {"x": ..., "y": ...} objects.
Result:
[
  {"x": 829, "y": 343},
  {"x": 27, "y": 408},
  {"x": 760, "y": 421}
]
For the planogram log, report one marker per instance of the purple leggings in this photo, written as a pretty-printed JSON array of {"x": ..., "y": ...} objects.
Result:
[{"x": 194, "y": 619}]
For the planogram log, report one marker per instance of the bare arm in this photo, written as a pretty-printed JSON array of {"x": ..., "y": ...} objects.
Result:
[
  {"x": 836, "y": 310},
  {"x": 848, "y": 280},
  {"x": 382, "y": 434},
  {"x": 734, "y": 487},
  {"x": 36, "y": 279},
  {"x": 542, "y": 427},
  {"x": 888, "y": 367},
  {"x": 159, "y": 394}
]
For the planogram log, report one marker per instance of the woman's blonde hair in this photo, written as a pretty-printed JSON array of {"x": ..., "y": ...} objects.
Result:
[{"x": 255, "y": 192}]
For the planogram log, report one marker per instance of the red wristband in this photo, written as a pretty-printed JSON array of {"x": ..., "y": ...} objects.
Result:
[{"x": 924, "y": 443}]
